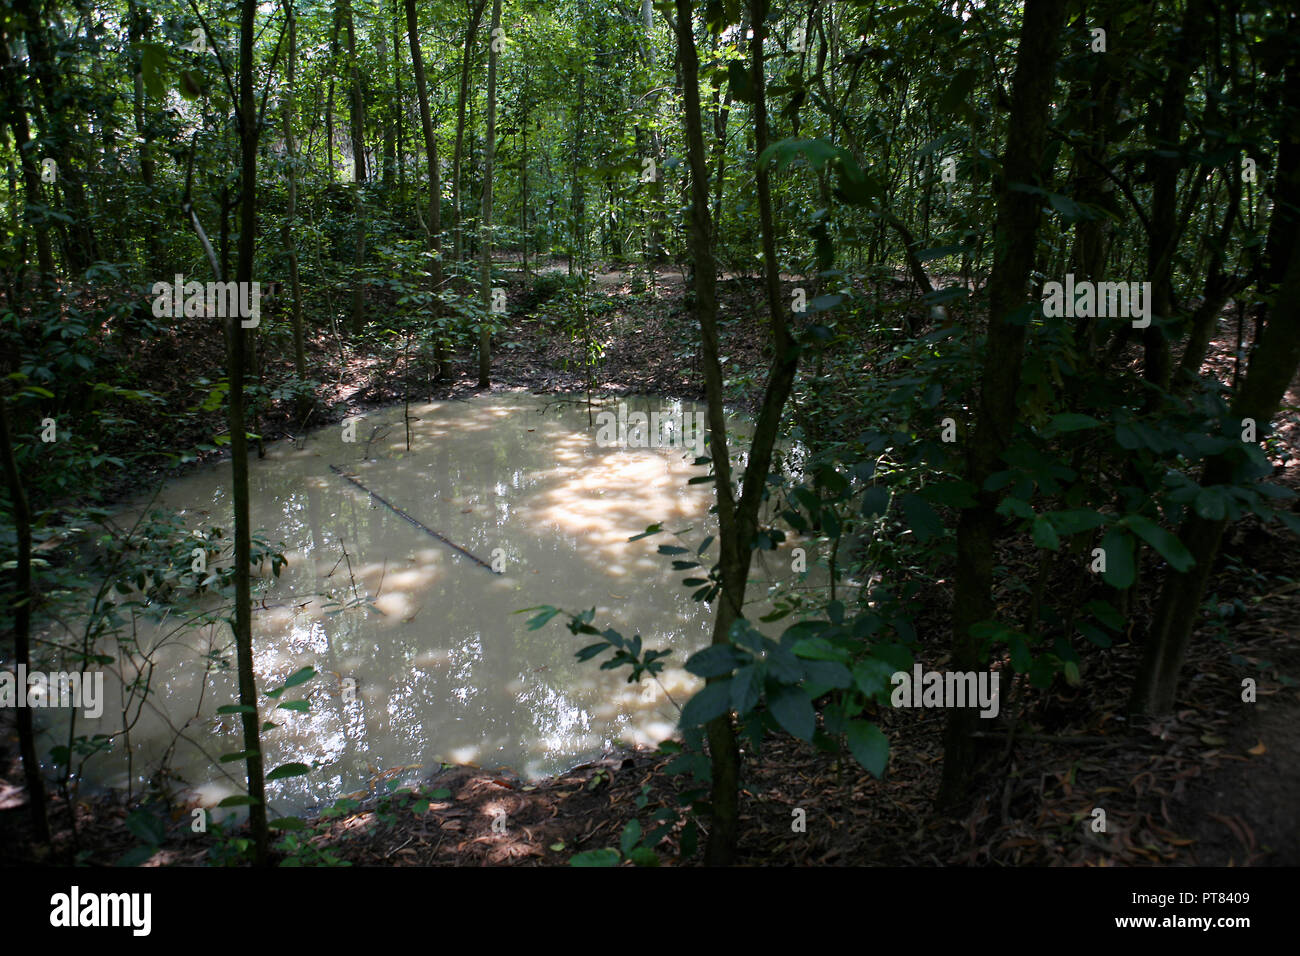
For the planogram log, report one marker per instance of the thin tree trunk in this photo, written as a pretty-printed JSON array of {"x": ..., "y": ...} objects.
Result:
[
  {"x": 1016, "y": 232},
  {"x": 737, "y": 521},
  {"x": 435, "y": 182},
  {"x": 471, "y": 32},
  {"x": 22, "y": 616},
  {"x": 399, "y": 108},
  {"x": 61, "y": 136},
  {"x": 24, "y": 147},
  {"x": 485, "y": 222},
  {"x": 523, "y": 177},
  {"x": 358, "y": 176},
  {"x": 1273, "y": 365},
  {"x": 1167, "y": 124},
  {"x": 138, "y": 24},
  {"x": 239, "y": 442},
  {"x": 389, "y": 147},
  {"x": 287, "y": 232}
]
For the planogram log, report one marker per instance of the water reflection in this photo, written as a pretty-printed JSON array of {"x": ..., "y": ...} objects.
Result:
[{"x": 434, "y": 665}]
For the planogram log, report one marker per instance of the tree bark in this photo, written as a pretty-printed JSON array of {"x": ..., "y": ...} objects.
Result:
[
  {"x": 358, "y": 176},
  {"x": 1162, "y": 242},
  {"x": 435, "y": 181},
  {"x": 21, "y": 606},
  {"x": 248, "y": 135},
  {"x": 471, "y": 32},
  {"x": 1016, "y": 231},
  {"x": 1273, "y": 363},
  {"x": 485, "y": 220},
  {"x": 287, "y": 233},
  {"x": 24, "y": 147}
]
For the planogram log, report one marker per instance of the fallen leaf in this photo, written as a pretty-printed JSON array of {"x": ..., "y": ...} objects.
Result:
[{"x": 1258, "y": 750}]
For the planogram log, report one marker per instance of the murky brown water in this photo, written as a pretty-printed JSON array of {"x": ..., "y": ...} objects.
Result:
[{"x": 435, "y": 665}]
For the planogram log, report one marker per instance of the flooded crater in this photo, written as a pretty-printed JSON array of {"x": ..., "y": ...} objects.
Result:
[{"x": 406, "y": 607}]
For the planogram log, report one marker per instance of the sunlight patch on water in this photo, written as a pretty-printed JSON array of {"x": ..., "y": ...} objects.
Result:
[{"x": 421, "y": 656}]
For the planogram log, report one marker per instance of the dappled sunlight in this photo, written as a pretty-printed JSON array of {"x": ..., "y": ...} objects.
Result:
[{"x": 420, "y": 656}]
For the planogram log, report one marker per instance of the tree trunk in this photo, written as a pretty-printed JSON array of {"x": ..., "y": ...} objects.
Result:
[
  {"x": 1273, "y": 363},
  {"x": 358, "y": 177},
  {"x": 22, "y": 617},
  {"x": 248, "y": 135},
  {"x": 737, "y": 521},
  {"x": 60, "y": 136},
  {"x": 435, "y": 182},
  {"x": 1162, "y": 242},
  {"x": 485, "y": 220},
  {"x": 139, "y": 23},
  {"x": 287, "y": 232},
  {"x": 24, "y": 147},
  {"x": 1016, "y": 233},
  {"x": 389, "y": 149},
  {"x": 471, "y": 32}
]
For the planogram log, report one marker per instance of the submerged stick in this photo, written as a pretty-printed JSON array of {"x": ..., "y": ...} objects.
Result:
[{"x": 402, "y": 514}]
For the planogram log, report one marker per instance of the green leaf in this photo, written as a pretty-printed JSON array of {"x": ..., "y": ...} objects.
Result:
[
  {"x": 713, "y": 661},
  {"x": 921, "y": 518},
  {"x": 288, "y": 823},
  {"x": 1167, "y": 544},
  {"x": 147, "y": 827},
  {"x": 739, "y": 82},
  {"x": 595, "y": 858},
  {"x": 1211, "y": 504},
  {"x": 137, "y": 856},
  {"x": 712, "y": 700},
  {"x": 299, "y": 705},
  {"x": 828, "y": 674},
  {"x": 1071, "y": 422},
  {"x": 242, "y": 755},
  {"x": 954, "y": 494},
  {"x": 954, "y": 92},
  {"x": 871, "y": 676},
  {"x": 153, "y": 61},
  {"x": 540, "y": 620},
  {"x": 819, "y": 649},
  {"x": 631, "y": 835},
  {"x": 793, "y": 710},
  {"x": 643, "y": 856},
  {"x": 1094, "y": 634},
  {"x": 869, "y": 746},
  {"x": 1106, "y": 613},
  {"x": 1045, "y": 535},
  {"x": 1075, "y": 521},
  {"x": 236, "y": 709},
  {"x": 299, "y": 677},
  {"x": 288, "y": 770},
  {"x": 818, "y": 152},
  {"x": 875, "y": 501},
  {"x": 237, "y": 800},
  {"x": 746, "y": 689},
  {"x": 1120, "y": 570}
]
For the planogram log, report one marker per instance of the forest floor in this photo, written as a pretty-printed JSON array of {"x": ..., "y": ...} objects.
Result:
[{"x": 1213, "y": 784}]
